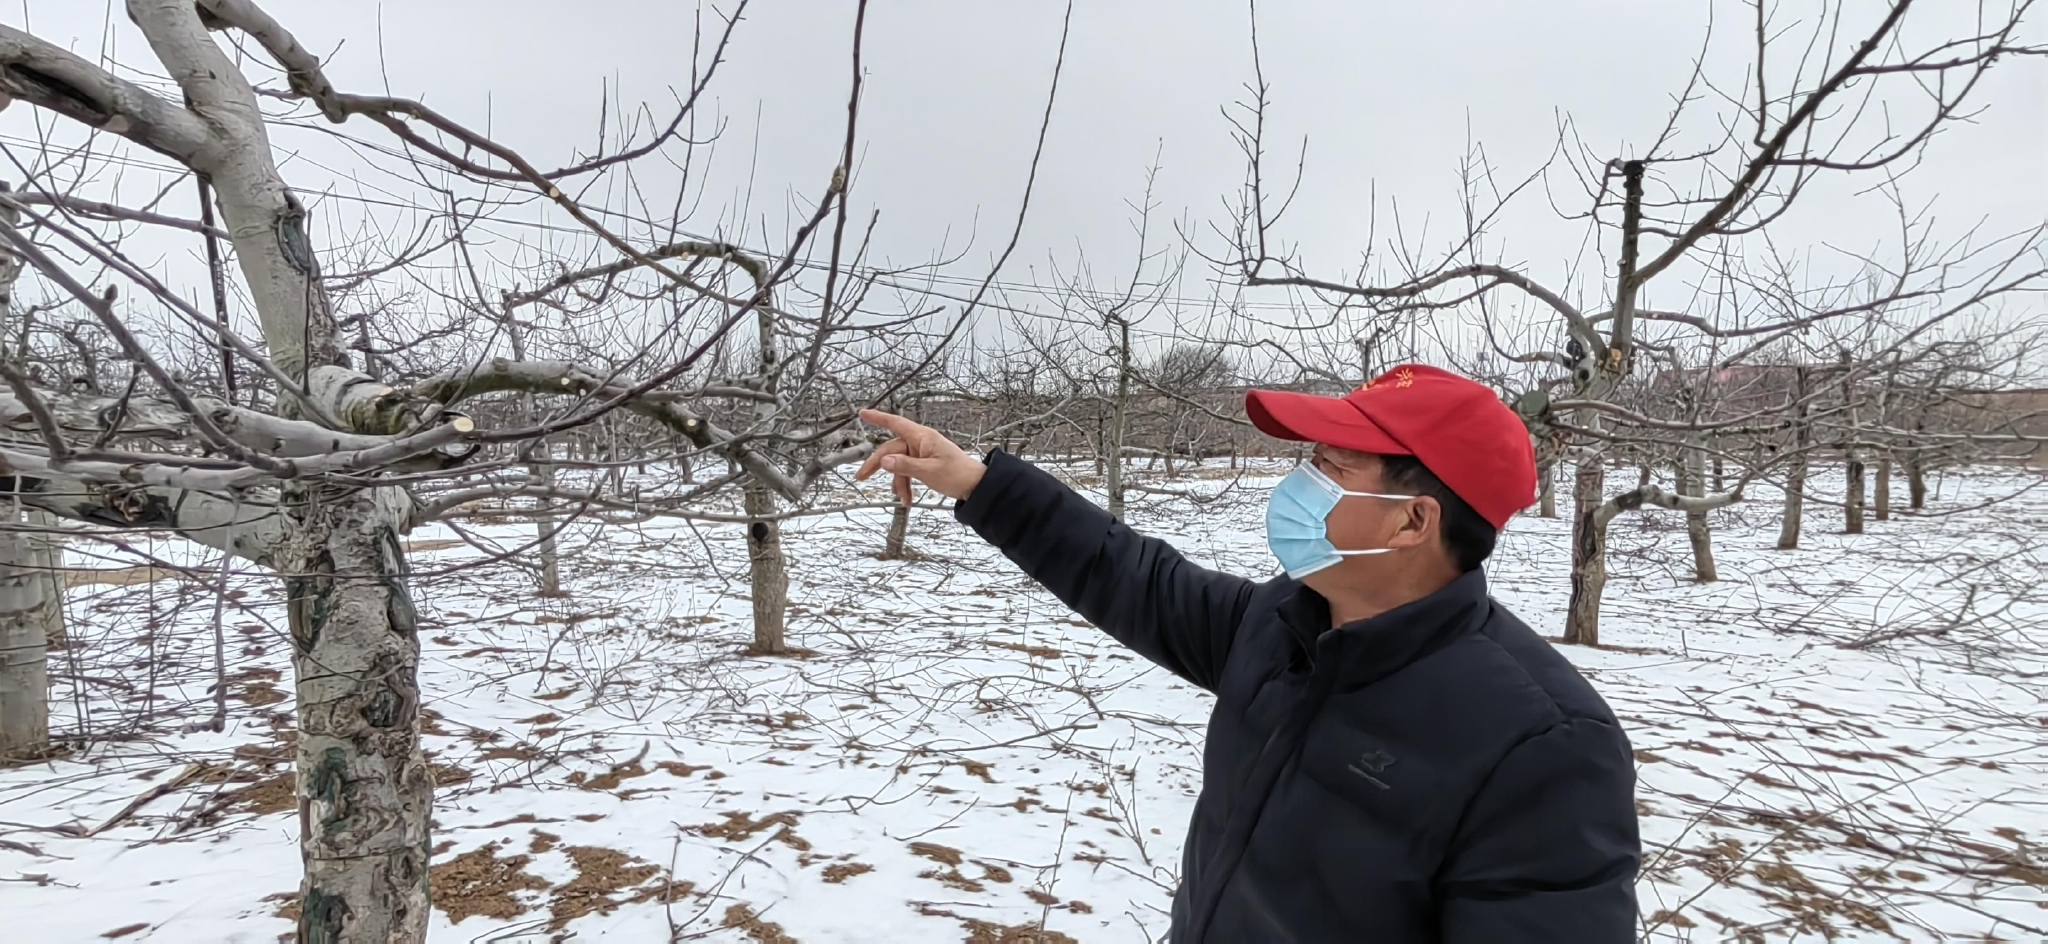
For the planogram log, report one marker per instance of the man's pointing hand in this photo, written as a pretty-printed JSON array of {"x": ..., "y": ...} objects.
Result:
[{"x": 919, "y": 452}]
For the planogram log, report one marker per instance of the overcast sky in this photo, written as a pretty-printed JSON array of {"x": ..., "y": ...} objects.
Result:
[{"x": 1385, "y": 94}]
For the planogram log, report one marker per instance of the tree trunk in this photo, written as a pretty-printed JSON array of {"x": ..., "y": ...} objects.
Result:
[
  {"x": 1692, "y": 481},
  {"x": 1852, "y": 504},
  {"x": 543, "y": 471},
  {"x": 899, "y": 529},
  {"x": 770, "y": 574},
  {"x": 1720, "y": 476},
  {"x": 544, "y": 523},
  {"x": 1113, "y": 480},
  {"x": 1852, "y": 454},
  {"x": 1884, "y": 488},
  {"x": 1546, "y": 484},
  {"x": 1916, "y": 484},
  {"x": 364, "y": 789},
  {"x": 770, "y": 578},
  {"x": 46, "y": 549},
  {"x": 1589, "y": 553},
  {"x": 1795, "y": 476},
  {"x": 24, "y": 645}
]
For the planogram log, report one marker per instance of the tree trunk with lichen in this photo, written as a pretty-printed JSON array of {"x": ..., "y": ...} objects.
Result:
[
  {"x": 364, "y": 790},
  {"x": 1589, "y": 552}
]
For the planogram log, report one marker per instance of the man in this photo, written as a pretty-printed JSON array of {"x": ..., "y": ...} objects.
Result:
[{"x": 1393, "y": 756}]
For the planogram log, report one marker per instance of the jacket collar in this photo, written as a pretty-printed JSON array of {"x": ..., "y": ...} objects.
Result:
[{"x": 1367, "y": 650}]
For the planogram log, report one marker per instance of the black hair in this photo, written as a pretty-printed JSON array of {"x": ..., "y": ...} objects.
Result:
[{"x": 1468, "y": 537}]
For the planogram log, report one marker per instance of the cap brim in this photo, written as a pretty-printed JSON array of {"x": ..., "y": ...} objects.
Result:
[{"x": 1330, "y": 421}]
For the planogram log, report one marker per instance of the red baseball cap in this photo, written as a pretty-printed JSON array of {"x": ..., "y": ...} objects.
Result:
[{"x": 1457, "y": 428}]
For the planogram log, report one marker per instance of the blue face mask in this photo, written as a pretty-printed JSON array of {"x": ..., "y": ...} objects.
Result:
[{"x": 1296, "y": 517}]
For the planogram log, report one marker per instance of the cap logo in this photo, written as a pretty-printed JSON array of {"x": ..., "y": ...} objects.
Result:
[{"x": 1404, "y": 378}]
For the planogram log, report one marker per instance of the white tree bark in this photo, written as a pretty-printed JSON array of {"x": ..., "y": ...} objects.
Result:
[
  {"x": 364, "y": 790},
  {"x": 24, "y": 645},
  {"x": 31, "y": 591},
  {"x": 1119, "y": 420},
  {"x": 768, "y": 569}
]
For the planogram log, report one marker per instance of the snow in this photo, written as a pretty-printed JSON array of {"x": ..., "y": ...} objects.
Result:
[{"x": 956, "y": 754}]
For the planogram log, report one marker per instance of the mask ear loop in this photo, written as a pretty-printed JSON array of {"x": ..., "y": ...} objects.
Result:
[{"x": 1348, "y": 494}]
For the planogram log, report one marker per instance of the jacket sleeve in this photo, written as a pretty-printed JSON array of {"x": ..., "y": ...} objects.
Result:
[
  {"x": 1548, "y": 849},
  {"x": 1138, "y": 589}
]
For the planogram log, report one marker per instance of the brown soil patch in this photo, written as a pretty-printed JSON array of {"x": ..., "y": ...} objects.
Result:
[
  {"x": 600, "y": 874},
  {"x": 944, "y": 855},
  {"x": 479, "y": 883},
  {"x": 125, "y": 931},
  {"x": 1035, "y": 652},
  {"x": 543, "y": 841},
  {"x": 610, "y": 780},
  {"x": 558, "y": 696},
  {"x": 274, "y": 794},
  {"x": 287, "y": 905},
  {"x": 984, "y": 932},
  {"x": 515, "y": 752},
  {"x": 521, "y": 818},
  {"x": 678, "y": 768},
  {"x": 750, "y": 924},
  {"x": 545, "y": 717},
  {"x": 256, "y": 687},
  {"x": 838, "y": 873},
  {"x": 430, "y": 723},
  {"x": 740, "y": 826},
  {"x": 449, "y": 774},
  {"x": 978, "y": 769}
]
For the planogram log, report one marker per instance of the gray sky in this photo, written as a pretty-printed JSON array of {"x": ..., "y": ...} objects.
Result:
[{"x": 1386, "y": 94}]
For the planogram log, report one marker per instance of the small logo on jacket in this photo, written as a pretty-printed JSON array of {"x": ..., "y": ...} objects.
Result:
[{"x": 1372, "y": 762}]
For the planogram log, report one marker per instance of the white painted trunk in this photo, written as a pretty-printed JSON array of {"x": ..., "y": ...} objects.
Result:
[{"x": 24, "y": 647}]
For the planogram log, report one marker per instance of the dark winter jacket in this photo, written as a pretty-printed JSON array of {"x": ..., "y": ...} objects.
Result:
[{"x": 1437, "y": 773}]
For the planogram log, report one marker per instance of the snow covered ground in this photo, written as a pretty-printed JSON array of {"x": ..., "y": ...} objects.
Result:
[{"x": 954, "y": 757}]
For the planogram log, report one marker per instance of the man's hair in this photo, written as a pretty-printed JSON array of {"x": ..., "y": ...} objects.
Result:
[{"x": 1468, "y": 537}]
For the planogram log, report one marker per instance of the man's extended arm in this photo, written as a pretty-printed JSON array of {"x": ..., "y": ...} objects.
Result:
[
  {"x": 1136, "y": 588},
  {"x": 1548, "y": 849}
]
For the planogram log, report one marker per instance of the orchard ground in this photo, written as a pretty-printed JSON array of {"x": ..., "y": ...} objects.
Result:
[{"x": 1844, "y": 742}]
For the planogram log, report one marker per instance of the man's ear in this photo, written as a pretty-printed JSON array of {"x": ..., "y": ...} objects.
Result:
[{"x": 1418, "y": 522}]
